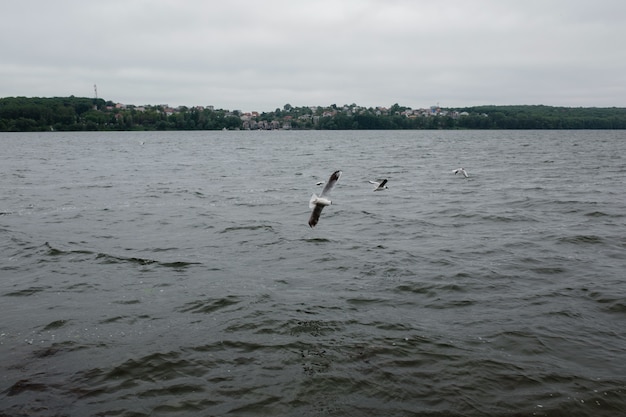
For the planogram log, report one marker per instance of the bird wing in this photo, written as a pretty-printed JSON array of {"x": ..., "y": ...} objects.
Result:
[
  {"x": 334, "y": 177},
  {"x": 315, "y": 215},
  {"x": 373, "y": 182},
  {"x": 382, "y": 184}
]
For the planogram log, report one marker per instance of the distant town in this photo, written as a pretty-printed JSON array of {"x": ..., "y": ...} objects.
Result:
[
  {"x": 20, "y": 114},
  {"x": 290, "y": 117}
]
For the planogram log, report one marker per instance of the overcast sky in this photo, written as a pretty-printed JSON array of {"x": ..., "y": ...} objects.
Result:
[{"x": 260, "y": 55}]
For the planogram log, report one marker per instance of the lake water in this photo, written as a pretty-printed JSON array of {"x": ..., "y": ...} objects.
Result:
[{"x": 174, "y": 273}]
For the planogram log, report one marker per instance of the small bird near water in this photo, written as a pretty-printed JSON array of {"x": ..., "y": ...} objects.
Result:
[
  {"x": 461, "y": 171},
  {"x": 380, "y": 185}
]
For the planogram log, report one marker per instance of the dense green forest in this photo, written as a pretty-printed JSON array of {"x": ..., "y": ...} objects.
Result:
[{"x": 21, "y": 114}]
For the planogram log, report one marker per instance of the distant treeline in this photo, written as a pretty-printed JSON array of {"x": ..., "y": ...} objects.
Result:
[
  {"x": 545, "y": 117},
  {"x": 21, "y": 114}
]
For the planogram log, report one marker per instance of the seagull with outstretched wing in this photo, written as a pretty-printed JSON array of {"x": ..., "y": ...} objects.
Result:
[
  {"x": 317, "y": 203},
  {"x": 380, "y": 185},
  {"x": 461, "y": 171}
]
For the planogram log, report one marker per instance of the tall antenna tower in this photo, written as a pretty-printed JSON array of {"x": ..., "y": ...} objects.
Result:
[{"x": 95, "y": 91}]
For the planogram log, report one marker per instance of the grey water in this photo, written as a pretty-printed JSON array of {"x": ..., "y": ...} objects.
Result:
[{"x": 174, "y": 273}]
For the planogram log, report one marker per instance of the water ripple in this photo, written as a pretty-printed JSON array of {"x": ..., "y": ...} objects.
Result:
[{"x": 184, "y": 280}]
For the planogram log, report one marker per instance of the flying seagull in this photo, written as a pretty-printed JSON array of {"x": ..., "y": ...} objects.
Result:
[
  {"x": 462, "y": 171},
  {"x": 317, "y": 203},
  {"x": 382, "y": 185}
]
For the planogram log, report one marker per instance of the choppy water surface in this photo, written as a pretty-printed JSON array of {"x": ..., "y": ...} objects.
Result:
[{"x": 174, "y": 273}]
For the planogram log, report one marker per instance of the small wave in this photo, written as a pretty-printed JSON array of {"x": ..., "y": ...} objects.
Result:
[
  {"x": 596, "y": 214},
  {"x": 584, "y": 239},
  {"x": 162, "y": 249},
  {"x": 446, "y": 304},
  {"x": 113, "y": 319},
  {"x": 618, "y": 306},
  {"x": 58, "y": 348},
  {"x": 178, "y": 264},
  {"x": 154, "y": 367},
  {"x": 57, "y": 324},
  {"x": 128, "y": 302},
  {"x": 111, "y": 259},
  {"x": 51, "y": 251},
  {"x": 549, "y": 270},
  {"x": 26, "y": 292},
  {"x": 416, "y": 288},
  {"x": 105, "y": 258},
  {"x": 24, "y": 385},
  {"x": 80, "y": 287},
  {"x": 247, "y": 228},
  {"x": 209, "y": 306},
  {"x": 609, "y": 303},
  {"x": 317, "y": 240},
  {"x": 365, "y": 301},
  {"x": 508, "y": 219},
  {"x": 522, "y": 340}
]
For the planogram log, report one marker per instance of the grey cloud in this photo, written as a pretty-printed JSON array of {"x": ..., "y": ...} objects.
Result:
[{"x": 259, "y": 56}]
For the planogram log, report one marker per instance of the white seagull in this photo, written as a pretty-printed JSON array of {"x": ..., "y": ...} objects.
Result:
[
  {"x": 317, "y": 203},
  {"x": 382, "y": 185},
  {"x": 462, "y": 171}
]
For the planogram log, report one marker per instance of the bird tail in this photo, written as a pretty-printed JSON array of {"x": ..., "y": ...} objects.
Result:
[{"x": 312, "y": 200}]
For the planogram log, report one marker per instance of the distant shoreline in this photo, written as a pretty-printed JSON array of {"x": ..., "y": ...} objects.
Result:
[{"x": 22, "y": 114}]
